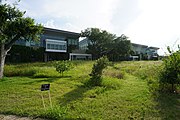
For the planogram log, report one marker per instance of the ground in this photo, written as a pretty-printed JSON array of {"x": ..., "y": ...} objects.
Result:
[
  {"x": 13, "y": 117},
  {"x": 126, "y": 93}
]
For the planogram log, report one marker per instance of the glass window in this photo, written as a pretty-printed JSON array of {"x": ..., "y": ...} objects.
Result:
[
  {"x": 48, "y": 46},
  {"x": 55, "y": 45},
  {"x": 72, "y": 42}
]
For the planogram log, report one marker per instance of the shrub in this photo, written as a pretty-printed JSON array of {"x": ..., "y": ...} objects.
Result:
[
  {"x": 97, "y": 69},
  {"x": 62, "y": 66},
  {"x": 171, "y": 72}
]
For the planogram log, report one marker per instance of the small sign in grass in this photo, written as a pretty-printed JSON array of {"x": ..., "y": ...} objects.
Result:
[{"x": 45, "y": 87}]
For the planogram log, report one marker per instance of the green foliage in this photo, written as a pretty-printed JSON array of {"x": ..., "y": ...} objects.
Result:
[
  {"x": 14, "y": 26},
  {"x": 120, "y": 48},
  {"x": 102, "y": 43},
  {"x": 115, "y": 99},
  {"x": 171, "y": 71},
  {"x": 97, "y": 70},
  {"x": 62, "y": 66},
  {"x": 99, "y": 41}
]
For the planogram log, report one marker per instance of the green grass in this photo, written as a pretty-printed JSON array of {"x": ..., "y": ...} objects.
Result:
[{"x": 124, "y": 97}]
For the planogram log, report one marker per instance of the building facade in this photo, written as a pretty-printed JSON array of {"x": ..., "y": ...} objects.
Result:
[
  {"x": 143, "y": 52},
  {"x": 53, "y": 45},
  {"x": 59, "y": 44}
]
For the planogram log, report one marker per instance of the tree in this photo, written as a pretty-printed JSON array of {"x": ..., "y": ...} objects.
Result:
[
  {"x": 62, "y": 66},
  {"x": 104, "y": 43},
  {"x": 99, "y": 41},
  {"x": 97, "y": 70},
  {"x": 14, "y": 26},
  {"x": 121, "y": 48}
]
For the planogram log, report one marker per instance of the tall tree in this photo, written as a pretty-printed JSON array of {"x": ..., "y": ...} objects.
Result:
[
  {"x": 14, "y": 26},
  {"x": 99, "y": 41},
  {"x": 102, "y": 43},
  {"x": 120, "y": 48}
]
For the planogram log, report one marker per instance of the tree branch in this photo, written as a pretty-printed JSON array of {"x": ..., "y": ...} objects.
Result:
[{"x": 9, "y": 44}]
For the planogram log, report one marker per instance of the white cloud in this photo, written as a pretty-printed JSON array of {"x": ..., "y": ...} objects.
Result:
[
  {"x": 80, "y": 13},
  {"x": 158, "y": 24},
  {"x": 50, "y": 24},
  {"x": 149, "y": 22}
]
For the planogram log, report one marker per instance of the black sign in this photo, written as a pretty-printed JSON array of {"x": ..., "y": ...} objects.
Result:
[{"x": 45, "y": 87}]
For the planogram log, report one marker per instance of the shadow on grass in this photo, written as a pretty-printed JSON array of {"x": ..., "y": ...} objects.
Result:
[
  {"x": 3, "y": 80},
  {"x": 76, "y": 94},
  {"x": 168, "y": 106},
  {"x": 48, "y": 80}
]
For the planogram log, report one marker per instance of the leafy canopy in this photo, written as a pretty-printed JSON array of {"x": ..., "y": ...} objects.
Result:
[
  {"x": 14, "y": 26},
  {"x": 103, "y": 43},
  {"x": 62, "y": 66}
]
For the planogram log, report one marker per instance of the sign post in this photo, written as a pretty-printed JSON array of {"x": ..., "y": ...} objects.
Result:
[
  {"x": 43, "y": 100},
  {"x": 45, "y": 87},
  {"x": 50, "y": 99}
]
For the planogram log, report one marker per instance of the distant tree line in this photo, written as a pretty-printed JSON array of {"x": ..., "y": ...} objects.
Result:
[{"x": 103, "y": 43}]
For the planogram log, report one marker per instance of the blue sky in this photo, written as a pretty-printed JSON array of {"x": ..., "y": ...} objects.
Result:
[{"x": 149, "y": 22}]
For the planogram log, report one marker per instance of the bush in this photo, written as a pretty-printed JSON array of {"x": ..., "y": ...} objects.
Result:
[
  {"x": 171, "y": 72},
  {"x": 62, "y": 66},
  {"x": 97, "y": 69}
]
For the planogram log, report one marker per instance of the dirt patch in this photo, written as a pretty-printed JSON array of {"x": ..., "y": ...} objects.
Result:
[{"x": 14, "y": 117}]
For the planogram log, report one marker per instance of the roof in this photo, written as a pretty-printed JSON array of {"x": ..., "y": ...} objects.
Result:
[
  {"x": 134, "y": 44},
  {"x": 61, "y": 31},
  {"x": 145, "y": 46},
  {"x": 156, "y": 48}
]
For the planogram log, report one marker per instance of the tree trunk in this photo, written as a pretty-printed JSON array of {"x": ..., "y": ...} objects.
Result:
[{"x": 3, "y": 53}]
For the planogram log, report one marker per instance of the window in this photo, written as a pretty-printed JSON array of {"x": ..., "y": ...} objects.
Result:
[
  {"x": 72, "y": 41},
  {"x": 55, "y": 45}
]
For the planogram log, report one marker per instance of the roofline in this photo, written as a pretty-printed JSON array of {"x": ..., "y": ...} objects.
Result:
[
  {"x": 146, "y": 46},
  {"x": 154, "y": 48},
  {"x": 61, "y": 31},
  {"x": 139, "y": 44}
]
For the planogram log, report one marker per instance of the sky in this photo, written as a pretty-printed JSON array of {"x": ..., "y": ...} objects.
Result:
[{"x": 149, "y": 22}]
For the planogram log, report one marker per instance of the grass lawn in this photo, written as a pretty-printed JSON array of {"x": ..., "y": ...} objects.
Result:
[{"x": 127, "y": 98}]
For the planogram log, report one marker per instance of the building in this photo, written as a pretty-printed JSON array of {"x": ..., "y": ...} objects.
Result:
[
  {"x": 140, "y": 52},
  {"x": 143, "y": 52},
  {"x": 83, "y": 44},
  {"x": 58, "y": 44},
  {"x": 152, "y": 53},
  {"x": 53, "y": 45}
]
